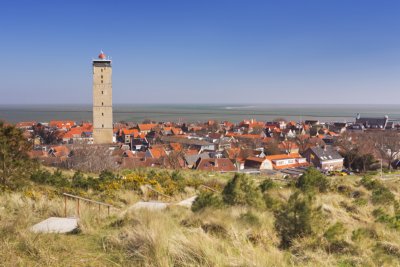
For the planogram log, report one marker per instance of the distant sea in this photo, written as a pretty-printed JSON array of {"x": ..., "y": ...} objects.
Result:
[{"x": 198, "y": 112}]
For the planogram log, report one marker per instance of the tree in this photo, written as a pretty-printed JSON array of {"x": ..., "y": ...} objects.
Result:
[
  {"x": 295, "y": 219},
  {"x": 241, "y": 190},
  {"x": 387, "y": 143},
  {"x": 14, "y": 161},
  {"x": 272, "y": 148},
  {"x": 349, "y": 146},
  {"x": 91, "y": 158},
  {"x": 173, "y": 160},
  {"x": 312, "y": 179}
]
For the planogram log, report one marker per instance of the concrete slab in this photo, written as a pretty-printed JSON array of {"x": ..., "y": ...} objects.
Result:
[
  {"x": 151, "y": 205},
  {"x": 187, "y": 202},
  {"x": 56, "y": 225}
]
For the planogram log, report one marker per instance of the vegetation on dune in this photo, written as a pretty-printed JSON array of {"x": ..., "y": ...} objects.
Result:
[{"x": 236, "y": 219}]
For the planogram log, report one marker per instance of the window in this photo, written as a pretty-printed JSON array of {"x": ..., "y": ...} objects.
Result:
[
  {"x": 101, "y": 81},
  {"x": 102, "y": 92},
  {"x": 102, "y": 76},
  {"x": 101, "y": 71},
  {"x": 102, "y": 103},
  {"x": 102, "y": 126},
  {"x": 102, "y": 114}
]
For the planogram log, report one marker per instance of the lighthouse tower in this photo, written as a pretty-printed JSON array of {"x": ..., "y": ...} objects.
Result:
[{"x": 102, "y": 100}]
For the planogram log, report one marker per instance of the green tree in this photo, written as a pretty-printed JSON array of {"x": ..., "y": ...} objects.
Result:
[
  {"x": 207, "y": 199},
  {"x": 15, "y": 164},
  {"x": 295, "y": 219},
  {"x": 312, "y": 179},
  {"x": 241, "y": 190}
]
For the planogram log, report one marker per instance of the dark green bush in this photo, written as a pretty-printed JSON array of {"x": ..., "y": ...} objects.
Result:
[
  {"x": 207, "y": 199},
  {"x": 370, "y": 183},
  {"x": 241, "y": 190},
  {"x": 266, "y": 185},
  {"x": 80, "y": 181},
  {"x": 382, "y": 196},
  {"x": 335, "y": 232},
  {"x": 295, "y": 219},
  {"x": 360, "y": 233},
  {"x": 41, "y": 176},
  {"x": 311, "y": 180}
]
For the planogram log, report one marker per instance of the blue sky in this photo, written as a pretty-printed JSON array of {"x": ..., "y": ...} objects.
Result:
[{"x": 187, "y": 51}]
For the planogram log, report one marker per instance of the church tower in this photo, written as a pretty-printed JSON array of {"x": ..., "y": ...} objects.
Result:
[{"x": 102, "y": 100}]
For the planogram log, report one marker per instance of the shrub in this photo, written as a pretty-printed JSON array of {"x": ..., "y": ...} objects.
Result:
[
  {"x": 79, "y": 181},
  {"x": 241, "y": 190},
  {"x": 391, "y": 221},
  {"x": 382, "y": 195},
  {"x": 206, "y": 199},
  {"x": 369, "y": 183},
  {"x": 295, "y": 219},
  {"x": 312, "y": 179},
  {"x": 41, "y": 176},
  {"x": 360, "y": 233},
  {"x": 250, "y": 218},
  {"x": 335, "y": 232},
  {"x": 266, "y": 185}
]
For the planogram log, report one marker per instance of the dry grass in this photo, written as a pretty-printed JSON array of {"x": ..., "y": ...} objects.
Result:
[{"x": 234, "y": 236}]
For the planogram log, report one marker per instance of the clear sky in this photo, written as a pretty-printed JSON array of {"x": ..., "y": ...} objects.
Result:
[{"x": 198, "y": 51}]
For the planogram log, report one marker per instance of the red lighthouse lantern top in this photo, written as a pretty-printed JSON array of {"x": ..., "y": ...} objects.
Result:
[{"x": 102, "y": 55}]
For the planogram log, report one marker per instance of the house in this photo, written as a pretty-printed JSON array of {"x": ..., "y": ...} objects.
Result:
[
  {"x": 125, "y": 135},
  {"x": 146, "y": 127},
  {"x": 192, "y": 159},
  {"x": 156, "y": 152},
  {"x": 26, "y": 125},
  {"x": 189, "y": 142},
  {"x": 64, "y": 125},
  {"x": 324, "y": 158},
  {"x": 139, "y": 144},
  {"x": 372, "y": 123},
  {"x": 276, "y": 162},
  {"x": 215, "y": 164}
]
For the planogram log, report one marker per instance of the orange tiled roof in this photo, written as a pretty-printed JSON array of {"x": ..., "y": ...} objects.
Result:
[
  {"x": 176, "y": 146},
  {"x": 147, "y": 126},
  {"x": 125, "y": 131},
  {"x": 283, "y": 156},
  {"x": 62, "y": 124},
  {"x": 25, "y": 124},
  {"x": 157, "y": 151}
]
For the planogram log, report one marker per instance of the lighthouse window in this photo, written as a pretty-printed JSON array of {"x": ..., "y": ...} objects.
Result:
[
  {"x": 102, "y": 126},
  {"x": 102, "y": 76},
  {"x": 102, "y": 103},
  {"x": 102, "y": 114},
  {"x": 102, "y": 92}
]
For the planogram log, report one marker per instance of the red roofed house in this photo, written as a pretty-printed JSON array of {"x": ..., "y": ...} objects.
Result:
[
  {"x": 62, "y": 124},
  {"x": 147, "y": 127},
  {"x": 156, "y": 152},
  {"x": 25, "y": 125},
  {"x": 276, "y": 162}
]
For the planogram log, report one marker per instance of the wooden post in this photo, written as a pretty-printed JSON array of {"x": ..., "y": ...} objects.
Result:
[
  {"x": 108, "y": 210},
  {"x": 65, "y": 206},
  {"x": 99, "y": 209},
  {"x": 78, "y": 207}
]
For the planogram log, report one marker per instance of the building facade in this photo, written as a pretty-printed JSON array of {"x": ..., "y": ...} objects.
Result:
[{"x": 102, "y": 100}]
